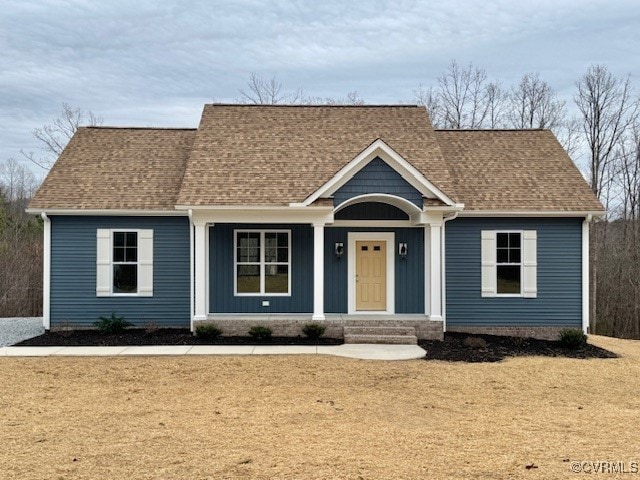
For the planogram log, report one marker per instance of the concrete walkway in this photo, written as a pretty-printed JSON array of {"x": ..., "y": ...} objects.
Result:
[{"x": 362, "y": 351}]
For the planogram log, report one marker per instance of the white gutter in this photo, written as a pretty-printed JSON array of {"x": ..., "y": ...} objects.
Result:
[
  {"x": 191, "y": 269},
  {"x": 443, "y": 280},
  {"x": 585, "y": 273},
  {"x": 46, "y": 273}
]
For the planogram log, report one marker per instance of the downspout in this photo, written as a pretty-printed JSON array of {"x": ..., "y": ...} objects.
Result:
[
  {"x": 191, "y": 270},
  {"x": 46, "y": 273},
  {"x": 585, "y": 272},
  {"x": 443, "y": 279}
]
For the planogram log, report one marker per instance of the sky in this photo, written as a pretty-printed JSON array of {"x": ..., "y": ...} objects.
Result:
[{"x": 155, "y": 62}]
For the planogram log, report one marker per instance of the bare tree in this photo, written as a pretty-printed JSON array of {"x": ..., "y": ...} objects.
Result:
[
  {"x": 535, "y": 104},
  {"x": 267, "y": 91},
  {"x": 607, "y": 110},
  {"x": 54, "y": 137},
  {"x": 496, "y": 100},
  {"x": 18, "y": 183},
  {"x": 428, "y": 98},
  {"x": 462, "y": 95}
]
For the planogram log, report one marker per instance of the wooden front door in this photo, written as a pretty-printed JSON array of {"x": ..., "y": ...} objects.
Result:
[{"x": 371, "y": 275}]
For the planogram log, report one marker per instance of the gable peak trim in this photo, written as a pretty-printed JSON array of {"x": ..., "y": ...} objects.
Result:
[{"x": 378, "y": 148}]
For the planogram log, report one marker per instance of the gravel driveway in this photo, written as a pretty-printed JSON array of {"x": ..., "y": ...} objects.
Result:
[{"x": 14, "y": 330}]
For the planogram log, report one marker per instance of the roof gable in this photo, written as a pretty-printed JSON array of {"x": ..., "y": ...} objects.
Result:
[{"x": 279, "y": 155}]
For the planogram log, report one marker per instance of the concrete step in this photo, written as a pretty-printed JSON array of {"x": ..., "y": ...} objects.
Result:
[
  {"x": 382, "y": 339},
  {"x": 378, "y": 330}
]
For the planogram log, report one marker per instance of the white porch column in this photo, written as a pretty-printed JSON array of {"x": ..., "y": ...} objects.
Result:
[
  {"x": 433, "y": 270},
  {"x": 46, "y": 274},
  {"x": 200, "y": 272},
  {"x": 318, "y": 272}
]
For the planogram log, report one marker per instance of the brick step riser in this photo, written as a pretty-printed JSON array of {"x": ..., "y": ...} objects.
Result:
[
  {"x": 379, "y": 331},
  {"x": 382, "y": 339}
]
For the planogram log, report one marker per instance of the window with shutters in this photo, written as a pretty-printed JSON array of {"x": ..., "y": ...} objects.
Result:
[
  {"x": 124, "y": 262},
  {"x": 509, "y": 263}
]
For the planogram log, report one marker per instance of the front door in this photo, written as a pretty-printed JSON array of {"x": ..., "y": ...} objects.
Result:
[{"x": 371, "y": 275}]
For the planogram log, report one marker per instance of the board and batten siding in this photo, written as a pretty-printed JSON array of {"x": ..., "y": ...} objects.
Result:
[
  {"x": 409, "y": 272},
  {"x": 73, "y": 272},
  {"x": 559, "y": 275},
  {"x": 377, "y": 177},
  {"x": 221, "y": 283}
]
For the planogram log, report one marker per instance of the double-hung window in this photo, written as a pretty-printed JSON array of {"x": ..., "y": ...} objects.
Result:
[
  {"x": 262, "y": 262},
  {"x": 124, "y": 262},
  {"x": 509, "y": 263}
]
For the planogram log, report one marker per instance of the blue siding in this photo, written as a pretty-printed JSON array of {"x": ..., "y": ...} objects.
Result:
[
  {"x": 409, "y": 273},
  {"x": 371, "y": 211},
  {"x": 221, "y": 295},
  {"x": 73, "y": 272},
  {"x": 559, "y": 300},
  {"x": 377, "y": 177}
]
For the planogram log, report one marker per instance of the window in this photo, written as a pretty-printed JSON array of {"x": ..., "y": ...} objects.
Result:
[
  {"x": 125, "y": 262},
  {"x": 508, "y": 263},
  {"x": 262, "y": 262}
]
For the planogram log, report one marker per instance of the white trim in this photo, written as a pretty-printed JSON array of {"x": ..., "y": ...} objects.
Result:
[
  {"x": 46, "y": 273},
  {"x": 207, "y": 278},
  {"x": 585, "y": 273},
  {"x": 389, "y": 238},
  {"x": 528, "y": 213},
  {"x": 379, "y": 149},
  {"x": 262, "y": 262},
  {"x": 275, "y": 208},
  {"x": 200, "y": 297},
  {"x": 374, "y": 223},
  {"x": 433, "y": 277},
  {"x": 443, "y": 279},
  {"x": 191, "y": 272},
  {"x": 520, "y": 264},
  {"x": 307, "y": 216},
  {"x": 318, "y": 273},
  {"x": 101, "y": 212},
  {"x": 136, "y": 263},
  {"x": 402, "y": 203}
]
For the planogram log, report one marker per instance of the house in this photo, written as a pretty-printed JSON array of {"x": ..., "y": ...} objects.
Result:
[{"x": 347, "y": 215}]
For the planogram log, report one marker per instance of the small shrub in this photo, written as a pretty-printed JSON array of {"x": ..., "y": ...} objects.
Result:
[
  {"x": 313, "y": 330},
  {"x": 573, "y": 338},
  {"x": 260, "y": 333},
  {"x": 475, "y": 342},
  {"x": 112, "y": 324},
  {"x": 208, "y": 331}
]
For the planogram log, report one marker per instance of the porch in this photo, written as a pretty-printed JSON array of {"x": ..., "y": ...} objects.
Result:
[{"x": 337, "y": 325}]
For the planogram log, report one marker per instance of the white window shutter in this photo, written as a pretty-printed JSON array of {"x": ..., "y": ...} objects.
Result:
[
  {"x": 529, "y": 264},
  {"x": 145, "y": 263},
  {"x": 103, "y": 262},
  {"x": 489, "y": 286}
]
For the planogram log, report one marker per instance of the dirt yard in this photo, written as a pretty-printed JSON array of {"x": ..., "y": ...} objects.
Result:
[{"x": 316, "y": 417}]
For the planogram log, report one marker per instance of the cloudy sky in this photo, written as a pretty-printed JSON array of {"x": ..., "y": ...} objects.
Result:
[{"x": 155, "y": 62}]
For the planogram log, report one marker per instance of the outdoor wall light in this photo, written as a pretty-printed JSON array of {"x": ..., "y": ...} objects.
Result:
[
  {"x": 339, "y": 250},
  {"x": 402, "y": 250}
]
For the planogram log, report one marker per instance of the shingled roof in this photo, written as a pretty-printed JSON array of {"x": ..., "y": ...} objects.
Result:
[
  {"x": 276, "y": 155},
  {"x": 117, "y": 168},
  {"x": 526, "y": 170}
]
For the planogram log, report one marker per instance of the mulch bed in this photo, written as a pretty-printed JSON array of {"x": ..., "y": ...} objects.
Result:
[
  {"x": 463, "y": 347},
  {"x": 162, "y": 336}
]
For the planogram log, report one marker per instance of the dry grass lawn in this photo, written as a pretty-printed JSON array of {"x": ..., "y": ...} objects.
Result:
[{"x": 315, "y": 417}]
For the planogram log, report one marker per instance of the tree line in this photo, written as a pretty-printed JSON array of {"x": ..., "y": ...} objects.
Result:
[{"x": 599, "y": 127}]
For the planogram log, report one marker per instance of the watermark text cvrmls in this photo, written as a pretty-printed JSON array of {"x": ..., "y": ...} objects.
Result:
[{"x": 606, "y": 467}]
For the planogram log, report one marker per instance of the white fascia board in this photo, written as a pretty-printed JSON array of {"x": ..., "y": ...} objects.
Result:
[
  {"x": 106, "y": 212},
  {"x": 315, "y": 216},
  {"x": 529, "y": 213},
  {"x": 379, "y": 149}
]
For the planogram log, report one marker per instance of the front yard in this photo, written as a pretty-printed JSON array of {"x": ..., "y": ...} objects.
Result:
[{"x": 316, "y": 417}]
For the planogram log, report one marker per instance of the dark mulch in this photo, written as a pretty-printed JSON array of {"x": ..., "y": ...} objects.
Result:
[
  {"x": 162, "y": 336},
  {"x": 463, "y": 347}
]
